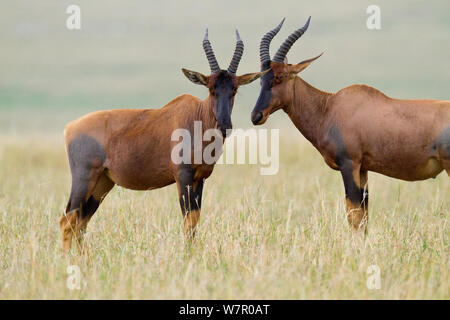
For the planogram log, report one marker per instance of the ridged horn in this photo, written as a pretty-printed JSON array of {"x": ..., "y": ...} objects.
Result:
[
  {"x": 238, "y": 51},
  {"x": 210, "y": 54},
  {"x": 264, "y": 45},
  {"x": 287, "y": 44}
]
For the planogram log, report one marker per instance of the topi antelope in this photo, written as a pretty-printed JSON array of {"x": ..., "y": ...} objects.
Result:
[
  {"x": 357, "y": 129},
  {"x": 132, "y": 147}
]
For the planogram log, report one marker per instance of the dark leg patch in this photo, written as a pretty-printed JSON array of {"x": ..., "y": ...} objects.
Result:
[
  {"x": 335, "y": 137},
  {"x": 86, "y": 157},
  {"x": 352, "y": 191},
  {"x": 90, "y": 207},
  {"x": 190, "y": 193},
  {"x": 442, "y": 143},
  {"x": 85, "y": 151}
]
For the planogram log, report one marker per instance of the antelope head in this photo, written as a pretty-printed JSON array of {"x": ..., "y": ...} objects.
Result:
[
  {"x": 222, "y": 84},
  {"x": 276, "y": 82}
]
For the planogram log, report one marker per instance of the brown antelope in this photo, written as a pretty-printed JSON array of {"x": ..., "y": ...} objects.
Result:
[
  {"x": 132, "y": 147},
  {"x": 358, "y": 129}
]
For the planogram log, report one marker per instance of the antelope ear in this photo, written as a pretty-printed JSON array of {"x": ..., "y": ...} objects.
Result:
[
  {"x": 296, "y": 68},
  {"x": 250, "y": 77},
  {"x": 196, "y": 77}
]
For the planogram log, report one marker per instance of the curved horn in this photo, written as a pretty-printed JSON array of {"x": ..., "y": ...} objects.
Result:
[
  {"x": 264, "y": 53},
  {"x": 237, "y": 54},
  {"x": 287, "y": 44},
  {"x": 210, "y": 54}
]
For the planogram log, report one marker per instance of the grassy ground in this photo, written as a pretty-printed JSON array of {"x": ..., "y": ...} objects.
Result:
[{"x": 282, "y": 236}]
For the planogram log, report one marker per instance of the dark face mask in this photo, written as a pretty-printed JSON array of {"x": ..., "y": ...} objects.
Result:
[{"x": 224, "y": 92}]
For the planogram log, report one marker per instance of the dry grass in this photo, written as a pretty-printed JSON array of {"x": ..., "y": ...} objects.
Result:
[{"x": 283, "y": 236}]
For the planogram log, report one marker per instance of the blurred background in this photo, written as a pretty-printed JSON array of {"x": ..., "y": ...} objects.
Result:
[{"x": 129, "y": 54}]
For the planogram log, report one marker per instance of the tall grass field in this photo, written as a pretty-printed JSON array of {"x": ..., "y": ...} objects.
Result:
[{"x": 283, "y": 236}]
